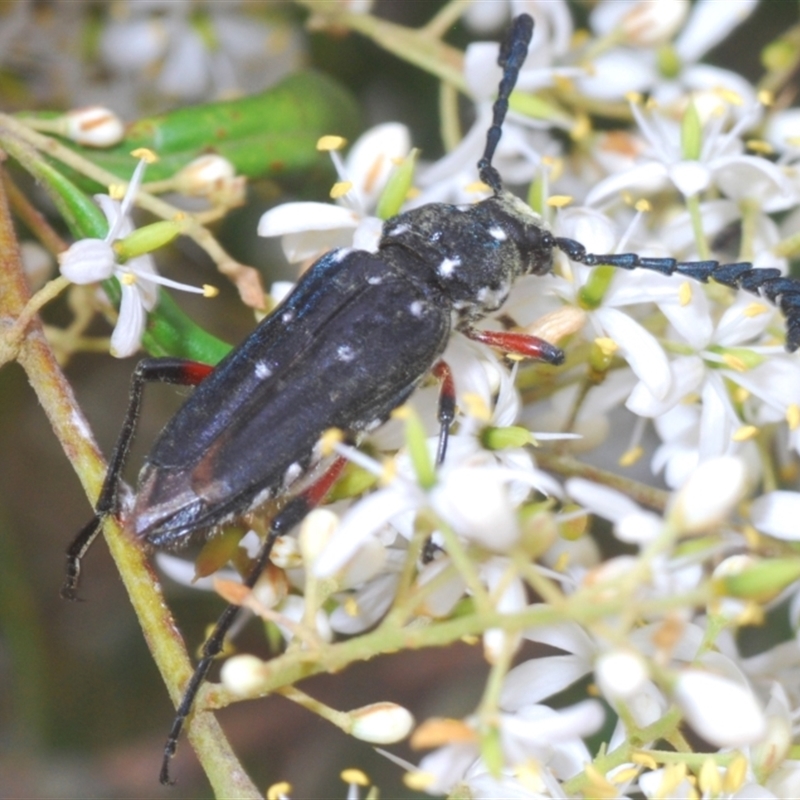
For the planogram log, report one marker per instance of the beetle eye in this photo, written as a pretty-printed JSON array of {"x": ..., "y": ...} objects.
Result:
[{"x": 536, "y": 250}]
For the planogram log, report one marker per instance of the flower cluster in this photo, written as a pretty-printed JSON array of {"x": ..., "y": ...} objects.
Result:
[{"x": 647, "y": 620}]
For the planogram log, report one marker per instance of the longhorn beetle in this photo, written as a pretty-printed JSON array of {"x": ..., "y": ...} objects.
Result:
[{"x": 346, "y": 347}]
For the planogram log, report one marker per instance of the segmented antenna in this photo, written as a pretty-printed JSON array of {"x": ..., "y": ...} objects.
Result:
[
  {"x": 766, "y": 282},
  {"x": 512, "y": 56}
]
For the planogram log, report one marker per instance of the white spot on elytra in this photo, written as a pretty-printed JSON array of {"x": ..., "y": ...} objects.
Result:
[
  {"x": 448, "y": 265},
  {"x": 434, "y": 237},
  {"x": 498, "y": 233},
  {"x": 416, "y": 309},
  {"x": 341, "y": 254},
  {"x": 293, "y": 472},
  {"x": 375, "y": 280},
  {"x": 345, "y": 353},
  {"x": 287, "y": 316},
  {"x": 399, "y": 230},
  {"x": 263, "y": 370},
  {"x": 262, "y": 497}
]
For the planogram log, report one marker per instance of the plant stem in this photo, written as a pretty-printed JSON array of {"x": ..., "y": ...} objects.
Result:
[{"x": 55, "y": 395}]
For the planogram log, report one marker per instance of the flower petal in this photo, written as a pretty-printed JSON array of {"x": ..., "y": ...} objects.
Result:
[
  {"x": 87, "y": 261},
  {"x": 300, "y": 217},
  {"x": 539, "y": 678},
  {"x": 372, "y": 158},
  {"x": 127, "y": 336},
  {"x": 723, "y": 712},
  {"x": 639, "y": 348},
  {"x": 776, "y": 514}
]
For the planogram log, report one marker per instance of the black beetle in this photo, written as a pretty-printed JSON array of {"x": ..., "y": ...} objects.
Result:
[{"x": 346, "y": 347}]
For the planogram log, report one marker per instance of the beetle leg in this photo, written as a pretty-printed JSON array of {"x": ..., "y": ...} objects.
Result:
[
  {"x": 148, "y": 370},
  {"x": 290, "y": 515},
  {"x": 523, "y": 344},
  {"x": 446, "y": 414},
  {"x": 447, "y": 407}
]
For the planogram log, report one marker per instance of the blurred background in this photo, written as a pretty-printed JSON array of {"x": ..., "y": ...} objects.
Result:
[{"x": 83, "y": 711}]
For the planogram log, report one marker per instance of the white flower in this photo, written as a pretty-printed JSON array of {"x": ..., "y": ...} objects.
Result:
[
  {"x": 398, "y": 502},
  {"x": 668, "y": 75},
  {"x": 92, "y": 260},
  {"x": 635, "y": 343},
  {"x": 720, "y": 161},
  {"x": 310, "y": 229},
  {"x": 536, "y": 734}
]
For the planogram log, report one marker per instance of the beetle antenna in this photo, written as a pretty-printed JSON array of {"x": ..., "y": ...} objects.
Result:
[
  {"x": 513, "y": 52},
  {"x": 766, "y": 282}
]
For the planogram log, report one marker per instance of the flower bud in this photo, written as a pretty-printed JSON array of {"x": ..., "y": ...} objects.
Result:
[
  {"x": 243, "y": 675},
  {"x": 204, "y": 176},
  {"x": 93, "y": 126},
  {"x": 286, "y": 553},
  {"x": 381, "y": 723},
  {"x": 709, "y": 495},
  {"x": 315, "y": 533},
  {"x": 620, "y": 674}
]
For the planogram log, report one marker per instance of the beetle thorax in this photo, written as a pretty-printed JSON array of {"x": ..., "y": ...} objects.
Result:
[{"x": 471, "y": 255}]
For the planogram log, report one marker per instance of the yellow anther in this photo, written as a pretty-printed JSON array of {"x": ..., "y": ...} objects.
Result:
[
  {"x": 355, "y": 776},
  {"x": 327, "y": 143},
  {"x": 745, "y": 433},
  {"x": 630, "y": 457},
  {"x": 340, "y": 189},
  {"x": 279, "y": 790},
  {"x": 146, "y": 154}
]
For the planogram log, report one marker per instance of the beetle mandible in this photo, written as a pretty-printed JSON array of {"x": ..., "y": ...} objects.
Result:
[{"x": 349, "y": 345}]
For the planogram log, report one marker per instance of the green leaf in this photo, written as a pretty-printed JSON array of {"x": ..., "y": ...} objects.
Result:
[{"x": 264, "y": 135}]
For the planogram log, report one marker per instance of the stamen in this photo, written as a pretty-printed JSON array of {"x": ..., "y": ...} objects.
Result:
[
  {"x": 206, "y": 290},
  {"x": 133, "y": 188}
]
